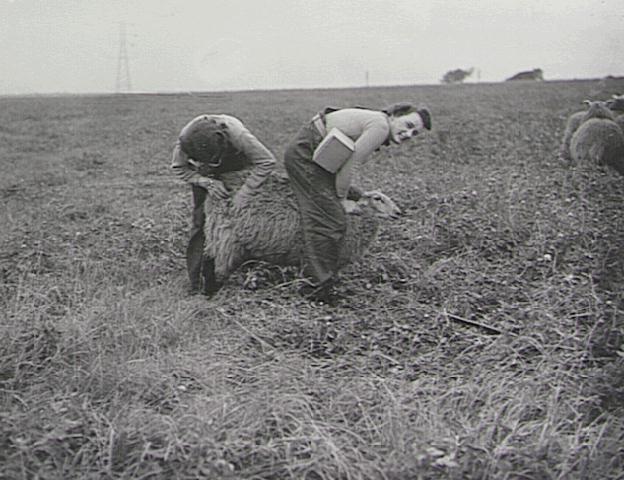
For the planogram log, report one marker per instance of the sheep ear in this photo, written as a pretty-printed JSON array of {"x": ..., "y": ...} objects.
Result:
[
  {"x": 370, "y": 193},
  {"x": 586, "y": 102}
]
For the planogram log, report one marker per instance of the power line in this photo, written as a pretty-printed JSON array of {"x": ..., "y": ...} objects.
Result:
[{"x": 124, "y": 84}]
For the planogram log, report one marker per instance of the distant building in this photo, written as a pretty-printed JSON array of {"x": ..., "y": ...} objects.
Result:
[{"x": 536, "y": 75}]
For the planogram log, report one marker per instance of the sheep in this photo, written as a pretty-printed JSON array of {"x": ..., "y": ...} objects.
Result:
[
  {"x": 615, "y": 105},
  {"x": 574, "y": 121},
  {"x": 268, "y": 228},
  {"x": 598, "y": 140}
]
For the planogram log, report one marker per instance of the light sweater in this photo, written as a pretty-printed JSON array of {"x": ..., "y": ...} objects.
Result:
[{"x": 369, "y": 129}]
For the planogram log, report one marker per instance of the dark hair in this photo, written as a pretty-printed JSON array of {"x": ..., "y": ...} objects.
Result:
[
  {"x": 426, "y": 117},
  {"x": 404, "y": 108},
  {"x": 206, "y": 141}
]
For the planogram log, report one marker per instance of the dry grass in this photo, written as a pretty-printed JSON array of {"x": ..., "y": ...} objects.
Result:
[{"x": 481, "y": 337}]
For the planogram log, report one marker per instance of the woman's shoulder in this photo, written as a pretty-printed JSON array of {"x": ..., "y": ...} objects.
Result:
[
  {"x": 355, "y": 121},
  {"x": 360, "y": 111},
  {"x": 362, "y": 115}
]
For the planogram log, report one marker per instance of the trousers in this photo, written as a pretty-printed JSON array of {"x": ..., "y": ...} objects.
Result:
[{"x": 323, "y": 218}]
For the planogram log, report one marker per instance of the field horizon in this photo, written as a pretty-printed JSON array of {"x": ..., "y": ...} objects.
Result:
[
  {"x": 480, "y": 337},
  {"x": 599, "y": 85}
]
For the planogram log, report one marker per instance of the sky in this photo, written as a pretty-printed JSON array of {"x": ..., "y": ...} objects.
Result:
[{"x": 75, "y": 46}]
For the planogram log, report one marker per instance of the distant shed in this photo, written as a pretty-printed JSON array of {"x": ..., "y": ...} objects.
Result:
[{"x": 532, "y": 75}]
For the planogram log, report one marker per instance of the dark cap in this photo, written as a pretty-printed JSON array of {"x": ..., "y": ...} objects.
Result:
[
  {"x": 204, "y": 140},
  {"x": 404, "y": 108},
  {"x": 426, "y": 117}
]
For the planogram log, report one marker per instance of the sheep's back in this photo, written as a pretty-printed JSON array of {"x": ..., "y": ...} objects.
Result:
[
  {"x": 268, "y": 228},
  {"x": 599, "y": 141},
  {"x": 265, "y": 228},
  {"x": 275, "y": 234}
]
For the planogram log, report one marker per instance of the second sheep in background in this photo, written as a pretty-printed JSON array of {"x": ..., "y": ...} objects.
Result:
[
  {"x": 615, "y": 107},
  {"x": 598, "y": 140}
]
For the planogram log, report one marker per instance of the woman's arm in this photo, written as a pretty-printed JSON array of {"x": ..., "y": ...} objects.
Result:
[
  {"x": 184, "y": 169},
  {"x": 262, "y": 160},
  {"x": 181, "y": 166},
  {"x": 372, "y": 137}
]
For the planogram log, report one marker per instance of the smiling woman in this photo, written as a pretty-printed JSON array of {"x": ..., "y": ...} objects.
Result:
[
  {"x": 406, "y": 121},
  {"x": 321, "y": 194}
]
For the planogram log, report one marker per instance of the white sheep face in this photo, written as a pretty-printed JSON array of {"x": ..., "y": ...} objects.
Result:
[
  {"x": 381, "y": 204},
  {"x": 616, "y": 103}
]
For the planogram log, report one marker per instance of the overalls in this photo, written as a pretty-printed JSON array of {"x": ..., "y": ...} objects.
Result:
[{"x": 323, "y": 219}]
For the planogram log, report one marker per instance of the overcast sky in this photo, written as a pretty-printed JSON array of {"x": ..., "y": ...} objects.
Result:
[{"x": 73, "y": 46}]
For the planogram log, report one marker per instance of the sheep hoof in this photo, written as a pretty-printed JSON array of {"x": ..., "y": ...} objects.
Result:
[{"x": 322, "y": 294}]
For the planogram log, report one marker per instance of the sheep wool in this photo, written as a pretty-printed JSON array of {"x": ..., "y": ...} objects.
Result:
[
  {"x": 599, "y": 140},
  {"x": 574, "y": 121},
  {"x": 614, "y": 110},
  {"x": 268, "y": 227}
]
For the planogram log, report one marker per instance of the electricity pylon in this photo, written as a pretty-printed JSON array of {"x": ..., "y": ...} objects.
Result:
[{"x": 124, "y": 83}]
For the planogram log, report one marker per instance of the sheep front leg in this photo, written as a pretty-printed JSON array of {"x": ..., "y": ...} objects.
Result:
[
  {"x": 222, "y": 255},
  {"x": 215, "y": 229},
  {"x": 226, "y": 261}
]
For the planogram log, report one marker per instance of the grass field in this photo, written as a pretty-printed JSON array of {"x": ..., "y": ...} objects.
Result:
[{"x": 481, "y": 337}]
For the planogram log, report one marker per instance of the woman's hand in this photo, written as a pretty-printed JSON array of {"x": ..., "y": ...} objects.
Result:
[
  {"x": 214, "y": 187},
  {"x": 351, "y": 207},
  {"x": 242, "y": 197}
]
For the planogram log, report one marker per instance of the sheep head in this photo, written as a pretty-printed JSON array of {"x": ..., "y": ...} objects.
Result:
[
  {"x": 380, "y": 204},
  {"x": 597, "y": 109},
  {"x": 616, "y": 103}
]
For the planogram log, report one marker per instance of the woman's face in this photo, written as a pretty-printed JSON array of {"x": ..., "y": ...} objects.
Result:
[{"x": 405, "y": 127}]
